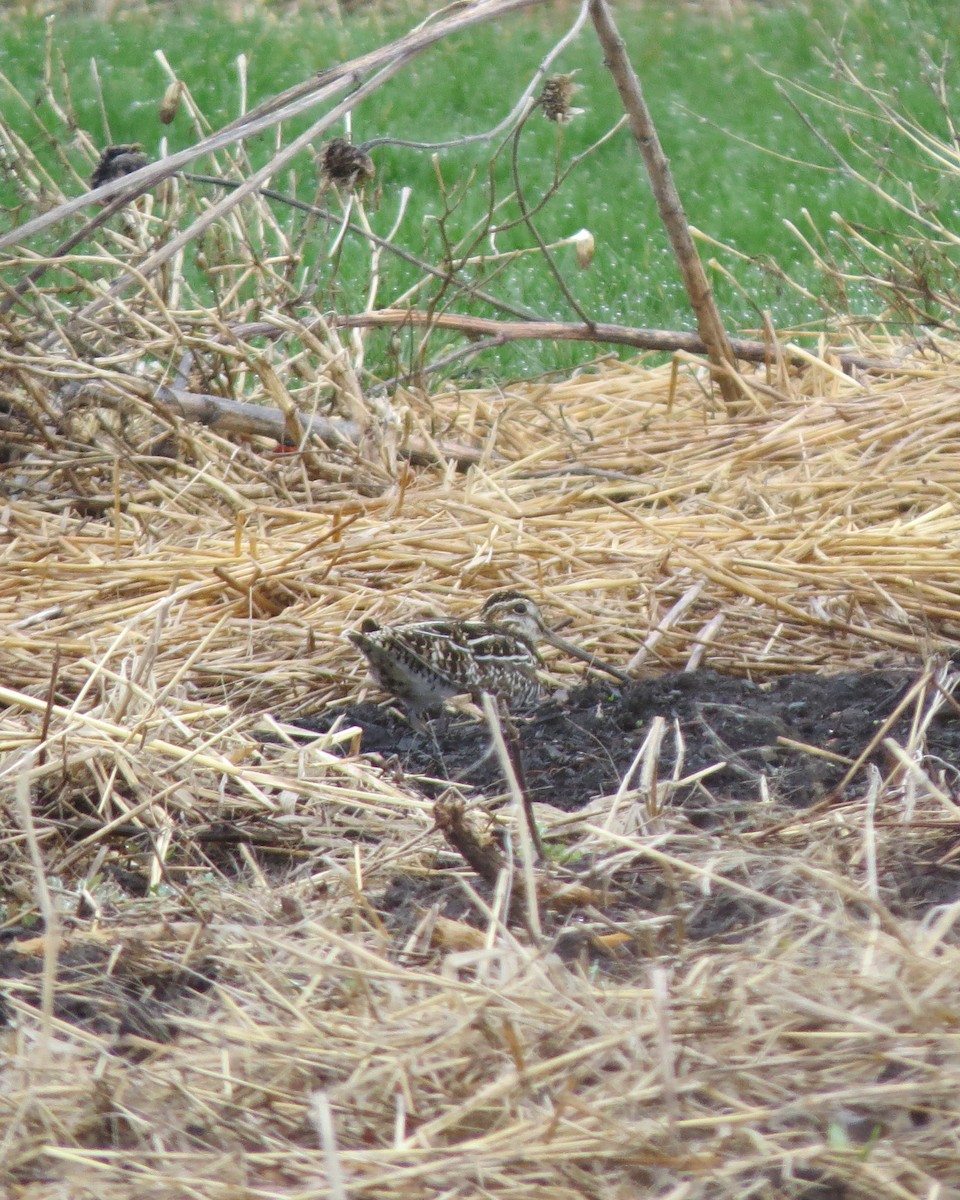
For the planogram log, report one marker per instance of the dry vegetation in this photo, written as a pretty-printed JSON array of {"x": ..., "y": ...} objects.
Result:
[
  {"x": 161, "y": 613},
  {"x": 242, "y": 961}
]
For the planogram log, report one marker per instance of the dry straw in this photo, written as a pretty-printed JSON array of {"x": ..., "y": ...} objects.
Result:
[
  {"x": 263, "y": 972},
  {"x": 156, "y": 625}
]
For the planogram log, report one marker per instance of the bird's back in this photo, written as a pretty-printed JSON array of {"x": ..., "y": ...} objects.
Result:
[{"x": 426, "y": 663}]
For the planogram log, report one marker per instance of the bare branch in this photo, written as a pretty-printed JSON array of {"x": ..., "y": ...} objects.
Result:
[
  {"x": 665, "y": 340},
  {"x": 668, "y": 199}
]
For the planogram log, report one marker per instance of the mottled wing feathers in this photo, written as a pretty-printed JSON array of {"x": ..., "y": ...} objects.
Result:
[
  {"x": 426, "y": 663},
  {"x": 397, "y": 667}
]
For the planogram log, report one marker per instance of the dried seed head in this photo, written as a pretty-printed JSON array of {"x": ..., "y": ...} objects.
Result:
[
  {"x": 585, "y": 248},
  {"x": 555, "y": 98},
  {"x": 171, "y": 101},
  {"x": 345, "y": 164},
  {"x": 117, "y": 161}
]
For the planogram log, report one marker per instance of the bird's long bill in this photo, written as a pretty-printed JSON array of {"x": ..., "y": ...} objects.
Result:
[{"x": 585, "y": 656}]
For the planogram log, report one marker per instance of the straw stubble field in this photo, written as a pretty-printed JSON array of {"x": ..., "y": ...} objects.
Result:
[{"x": 240, "y": 956}]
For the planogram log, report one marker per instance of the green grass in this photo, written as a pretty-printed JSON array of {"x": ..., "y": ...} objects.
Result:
[{"x": 700, "y": 75}]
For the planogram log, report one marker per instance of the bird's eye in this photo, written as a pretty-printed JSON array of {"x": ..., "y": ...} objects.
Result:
[{"x": 519, "y": 607}]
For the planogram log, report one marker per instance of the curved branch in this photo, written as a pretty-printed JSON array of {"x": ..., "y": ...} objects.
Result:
[{"x": 665, "y": 340}]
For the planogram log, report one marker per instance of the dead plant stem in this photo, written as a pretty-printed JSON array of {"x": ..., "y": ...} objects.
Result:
[{"x": 668, "y": 200}]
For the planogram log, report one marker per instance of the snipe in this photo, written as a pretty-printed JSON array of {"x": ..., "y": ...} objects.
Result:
[{"x": 427, "y": 662}]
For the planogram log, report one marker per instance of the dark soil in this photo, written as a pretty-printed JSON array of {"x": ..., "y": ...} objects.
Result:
[
  {"x": 792, "y": 741},
  {"x": 748, "y": 736},
  {"x": 744, "y": 740},
  {"x": 135, "y": 1000}
]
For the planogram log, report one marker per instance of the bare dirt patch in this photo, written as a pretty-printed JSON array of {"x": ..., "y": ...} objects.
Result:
[{"x": 791, "y": 740}]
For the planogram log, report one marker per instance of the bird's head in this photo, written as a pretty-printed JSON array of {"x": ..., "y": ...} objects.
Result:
[{"x": 516, "y": 613}]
